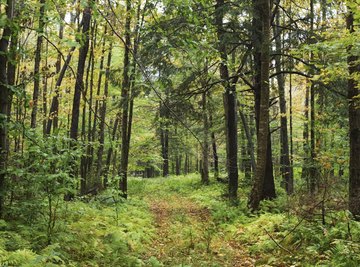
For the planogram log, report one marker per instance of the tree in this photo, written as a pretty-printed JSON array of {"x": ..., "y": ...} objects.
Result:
[
  {"x": 125, "y": 94},
  {"x": 229, "y": 102},
  {"x": 79, "y": 83},
  {"x": 205, "y": 144},
  {"x": 37, "y": 62},
  {"x": 257, "y": 193},
  {"x": 5, "y": 98},
  {"x": 354, "y": 122},
  {"x": 285, "y": 167}
]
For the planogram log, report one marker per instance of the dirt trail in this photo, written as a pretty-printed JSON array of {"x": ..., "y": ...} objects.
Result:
[{"x": 186, "y": 235}]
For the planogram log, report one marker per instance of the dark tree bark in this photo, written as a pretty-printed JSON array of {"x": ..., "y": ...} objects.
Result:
[
  {"x": 45, "y": 89},
  {"x": 5, "y": 100},
  {"x": 79, "y": 83},
  {"x": 291, "y": 126},
  {"x": 214, "y": 150},
  {"x": 85, "y": 157},
  {"x": 164, "y": 139},
  {"x": 263, "y": 187},
  {"x": 54, "y": 108},
  {"x": 132, "y": 91},
  {"x": 110, "y": 150},
  {"x": 93, "y": 132},
  {"x": 354, "y": 125},
  {"x": 37, "y": 63},
  {"x": 125, "y": 93},
  {"x": 309, "y": 171},
  {"x": 178, "y": 165},
  {"x": 186, "y": 164},
  {"x": 285, "y": 167},
  {"x": 229, "y": 103},
  {"x": 205, "y": 144},
  {"x": 313, "y": 173},
  {"x": 306, "y": 144}
]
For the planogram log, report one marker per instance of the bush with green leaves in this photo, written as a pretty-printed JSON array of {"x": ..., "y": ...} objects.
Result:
[{"x": 39, "y": 177}]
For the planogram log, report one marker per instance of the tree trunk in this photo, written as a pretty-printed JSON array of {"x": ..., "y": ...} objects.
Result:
[
  {"x": 92, "y": 135},
  {"x": 37, "y": 63},
  {"x": 186, "y": 164},
  {"x": 164, "y": 138},
  {"x": 5, "y": 101},
  {"x": 84, "y": 182},
  {"x": 102, "y": 120},
  {"x": 125, "y": 93},
  {"x": 45, "y": 89},
  {"x": 354, "y": 124},
  {"x": 248, "y": 137},
  {"x": 177, "y": 164},
  {"x": 263, "y": 187},
  {"x": 205, "y": 144},
  {"x": 54, "y": 108},
  {"x": 79, "y": 84},
  {"x": 309, "y": 171},
  {"x": 110, "y": 151},
  {"x": 214, "y": 150},
  {"x": 285, "y": 167},
  {"x": 229, "y": 103}
]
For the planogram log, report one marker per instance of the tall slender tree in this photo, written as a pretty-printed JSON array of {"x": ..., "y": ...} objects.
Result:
[
  {"x": 229, "y": 101},
  {"x": 125, "y": 93},
  {"x": 285, "y": 168},
  {"x": 79, "y": 83},
  {"x": 354, "y": 122},
  {"x": 5, "y": 97}
]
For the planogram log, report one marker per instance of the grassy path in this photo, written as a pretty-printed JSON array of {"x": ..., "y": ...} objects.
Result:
[{"x": 186, "y": 235}]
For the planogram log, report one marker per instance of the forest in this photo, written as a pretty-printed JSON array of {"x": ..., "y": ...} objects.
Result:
[{"x": 180, "y": 133}]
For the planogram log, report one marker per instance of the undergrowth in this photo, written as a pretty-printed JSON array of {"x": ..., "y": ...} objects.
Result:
[
  {"x": 278, "y": 235},
  {"x": 103, "y": 232},
  {"x": 109, "y": 231}
]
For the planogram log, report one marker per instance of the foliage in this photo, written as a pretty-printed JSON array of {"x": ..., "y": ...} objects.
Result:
[{"x": 104, "y": 232}]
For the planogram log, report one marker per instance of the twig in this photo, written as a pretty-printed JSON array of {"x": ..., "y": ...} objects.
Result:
[{"x": 280, "y": 246}]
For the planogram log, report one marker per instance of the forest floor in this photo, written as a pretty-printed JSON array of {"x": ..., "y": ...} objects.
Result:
[{"x": 179, "y": 222}]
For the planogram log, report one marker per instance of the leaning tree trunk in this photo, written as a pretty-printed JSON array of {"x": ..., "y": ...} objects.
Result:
[
  {"x": 79, "y": 85},
  {"x": 229, "y": 103},
  {"x": 54, "y": 107},
  {"x": 354, "y": 125}
]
